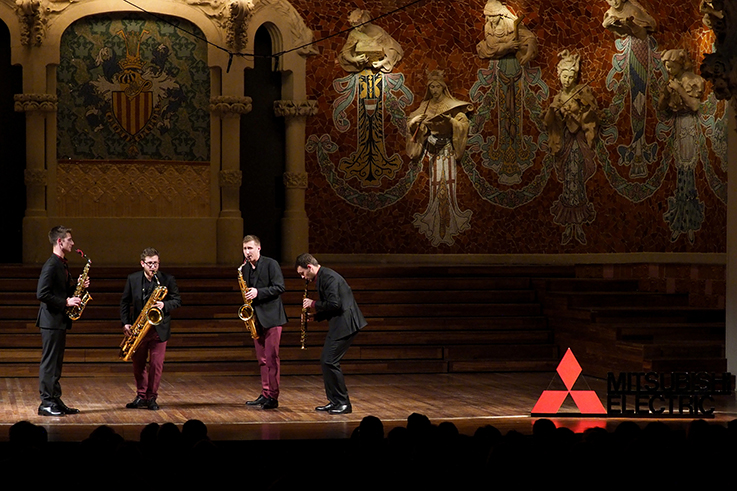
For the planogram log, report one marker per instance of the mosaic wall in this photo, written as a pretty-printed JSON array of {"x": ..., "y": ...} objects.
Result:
[
  {"x": 133, "y": 125},
  {"x": 651, "y": 181}
]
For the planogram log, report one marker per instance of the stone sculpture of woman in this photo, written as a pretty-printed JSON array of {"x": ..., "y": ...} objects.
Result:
[
  {"x": 628, "y": 18},
  {"x": 438, "y": 130},
  {"x": 681, "y": 98},
  {"x": 368, "y": 46},
  {"x": 504, "y": 33},
  {"x": 684, "y": 88},
  {"x": 572, "y": 122}
]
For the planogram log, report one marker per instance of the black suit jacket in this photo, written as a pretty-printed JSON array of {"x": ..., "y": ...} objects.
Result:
[
  {"x": 268, "y": 279},
  {"x": 131, "y": 304},
  {"x": 54, "y": 287},
  {"x": 337, "y": 304}
]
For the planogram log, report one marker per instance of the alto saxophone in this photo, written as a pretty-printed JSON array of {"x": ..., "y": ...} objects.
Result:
[
  {"x": 75, "y": 312},
  {"x": 303, "y": 319},
  {"x": 151, "y": 315},
  {"x": 245, "y": 312}
]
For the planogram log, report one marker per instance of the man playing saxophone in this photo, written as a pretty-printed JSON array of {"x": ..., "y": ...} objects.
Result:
[
  {"x": 55, "y": 291},
  {"x": 138, "y": 288},
  {"x": 266, "y": 284}
]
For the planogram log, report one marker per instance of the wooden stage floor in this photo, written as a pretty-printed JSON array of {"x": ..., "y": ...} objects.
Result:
[{"x": 467, "y": 400}]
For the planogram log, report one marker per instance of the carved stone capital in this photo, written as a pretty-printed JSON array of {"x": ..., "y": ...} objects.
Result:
[
  {"x": 32, "y": 22},
  {"x": 35, "y": 102},
  {"x": 236, "y": 24},
  {"x": 230, "y": 106},
  {"x": 230, "y": 178},
  {"x": 295, "y": 180},
  {"x": 295, "y": 109},
  {"x": 35, "y": 177},
  {"x": 233, "y": 17}
]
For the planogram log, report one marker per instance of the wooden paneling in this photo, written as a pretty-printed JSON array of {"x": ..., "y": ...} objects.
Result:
[{"x": 612, "y": 327}]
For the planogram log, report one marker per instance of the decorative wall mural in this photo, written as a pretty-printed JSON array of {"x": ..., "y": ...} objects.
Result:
[
  {"x": 369, "y": 55},
  {"x": 131, "y": 88},
  {"x": 375, "y": 95},
  {"x": 506, "y": 95},
  {"x": 369, "y": 163},
  {"x": 611, "y": 154},
  {"x": 633, "y": 74}
]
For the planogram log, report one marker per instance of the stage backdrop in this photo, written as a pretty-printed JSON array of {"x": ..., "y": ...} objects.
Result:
[{"x": 645, "y": 187}]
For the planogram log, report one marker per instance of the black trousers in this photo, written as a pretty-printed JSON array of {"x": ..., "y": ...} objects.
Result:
[
  {"x": 52, "y": 358},
  {"x": 332, "y": 352}
]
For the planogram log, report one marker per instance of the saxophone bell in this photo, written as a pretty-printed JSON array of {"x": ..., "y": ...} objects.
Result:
[
  {"x": 245, "y": 313},
  {"x": 154, "y": 316}
]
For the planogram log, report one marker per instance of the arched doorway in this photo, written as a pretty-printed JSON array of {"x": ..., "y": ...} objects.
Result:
[
  {"x": 13, "y": 148},
  {"x": 262, "y": 151}
]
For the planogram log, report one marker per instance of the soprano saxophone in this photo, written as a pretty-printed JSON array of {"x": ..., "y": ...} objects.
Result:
[
  {"x": 245, "y": 312},
  {"x": 303, "y": 319},
  {"x": 150, "y": 316},
  {"x": 75, "y": 312}
]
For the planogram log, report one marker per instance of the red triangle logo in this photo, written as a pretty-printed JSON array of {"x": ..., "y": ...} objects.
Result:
[{"x": 586, "y": 401}]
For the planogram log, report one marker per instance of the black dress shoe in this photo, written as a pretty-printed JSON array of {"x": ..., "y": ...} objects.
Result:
[
  {"x": 66, "y": 409},
  {"x": 52, "y": 410},
  {"x": 152, "y": 404},
  {"x": 326, "y": 407},
  {"x": 270, "y": 403},
  {"x": 259, "y": 401},
  {"x": 138, "y": 403},
  {"x": 341, "y": 409}
]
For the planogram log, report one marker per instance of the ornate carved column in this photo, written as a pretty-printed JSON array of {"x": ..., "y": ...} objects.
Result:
[
  {"x": 35, "y": 222},
  {"x": 295, "y": 224},
  {"x": 229, "y": 223}
]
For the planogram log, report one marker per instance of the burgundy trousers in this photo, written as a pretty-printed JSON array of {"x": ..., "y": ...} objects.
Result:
[
  {"x": 267, "y": 354},
  {"x": 152, "y": 350}
]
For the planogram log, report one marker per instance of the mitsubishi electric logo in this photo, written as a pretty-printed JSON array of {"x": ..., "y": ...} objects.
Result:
[
  {"x": 586, "y": 401},
  {"x": 649, "y": 394}
]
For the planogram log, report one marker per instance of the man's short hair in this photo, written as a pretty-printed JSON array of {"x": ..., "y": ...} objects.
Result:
[
  {"x": 306, "y": 258},
  {"x": 249, "y": 238},
  {"x": 149, "y": 252},
  {"x": 58, "y": 232}
]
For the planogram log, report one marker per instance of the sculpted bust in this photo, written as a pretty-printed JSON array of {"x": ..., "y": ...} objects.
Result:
[
  {"x": 505, "y": 34},
  {"x": 684, "y": 88},
  {"x": 628, "y": 18},
  {"x": 440, "y": 120},
  {"x": 368, "y": 46},
  {"x": 574, "y": 108}
]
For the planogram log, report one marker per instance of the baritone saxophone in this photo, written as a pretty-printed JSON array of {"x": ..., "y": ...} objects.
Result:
[
  {"x": 150, "y": 316},
  {"x": 75, "y": 312},
  {"x": 245, "y": 312}
]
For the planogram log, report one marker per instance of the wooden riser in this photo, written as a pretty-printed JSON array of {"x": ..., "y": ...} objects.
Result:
[{"x": 633, "y": 331}]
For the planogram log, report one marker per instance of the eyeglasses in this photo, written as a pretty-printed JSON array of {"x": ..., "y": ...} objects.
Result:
[{"x": 151, "y": 264}]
